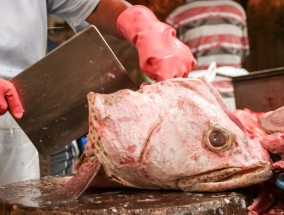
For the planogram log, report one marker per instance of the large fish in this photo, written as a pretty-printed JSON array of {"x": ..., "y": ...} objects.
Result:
[{"x": 175, "y": 134}]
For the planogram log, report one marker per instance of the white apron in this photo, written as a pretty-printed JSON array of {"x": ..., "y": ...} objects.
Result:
[
  {"x": 23, "y": 38},
  {"x": 19, "y": 158}
]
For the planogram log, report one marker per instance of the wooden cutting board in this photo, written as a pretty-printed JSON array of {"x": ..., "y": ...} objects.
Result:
[{"x": 24, "y": 198}]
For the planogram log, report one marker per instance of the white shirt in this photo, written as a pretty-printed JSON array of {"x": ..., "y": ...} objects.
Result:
[
  {"x": 23, "y": 29},
  {"x": 23, "y": 38}
]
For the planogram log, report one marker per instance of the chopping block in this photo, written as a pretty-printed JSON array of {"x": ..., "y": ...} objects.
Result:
[{"x": 24, "y": 198}]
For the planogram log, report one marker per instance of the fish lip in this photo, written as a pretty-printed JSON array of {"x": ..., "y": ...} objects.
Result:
[{"x": 214, "y": 182}]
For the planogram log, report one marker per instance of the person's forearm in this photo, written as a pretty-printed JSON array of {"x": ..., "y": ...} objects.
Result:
[
  {"x": 104, "y": 17},
  {"x": 161, "y": 54}
]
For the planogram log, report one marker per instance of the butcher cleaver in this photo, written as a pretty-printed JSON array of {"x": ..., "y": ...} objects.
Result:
[{"x": 54, "y": 90}]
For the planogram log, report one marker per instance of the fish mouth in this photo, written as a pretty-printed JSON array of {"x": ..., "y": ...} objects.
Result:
[{"x": 225, "y": 179}]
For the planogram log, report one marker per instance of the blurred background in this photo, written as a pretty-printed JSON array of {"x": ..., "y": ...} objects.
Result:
[{"x": 265, "y": 29}]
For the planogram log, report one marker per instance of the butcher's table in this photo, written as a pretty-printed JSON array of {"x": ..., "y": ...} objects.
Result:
[{"x": 24, "y": 198}]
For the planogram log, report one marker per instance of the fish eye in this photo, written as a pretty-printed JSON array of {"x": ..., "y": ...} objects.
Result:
[{"x": 218, "y": 139}]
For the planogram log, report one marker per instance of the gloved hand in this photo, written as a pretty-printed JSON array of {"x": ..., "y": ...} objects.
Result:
[
  {"x": 161, "y": 54},
  {"x": 9, "y": 99}
]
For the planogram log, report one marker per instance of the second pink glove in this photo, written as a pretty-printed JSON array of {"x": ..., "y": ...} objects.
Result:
[
  {"x": 9, "y": 99},
  {"x": 161, "y": 54}
]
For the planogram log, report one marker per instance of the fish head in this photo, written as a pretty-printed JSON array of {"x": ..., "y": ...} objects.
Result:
[{"x": 175, "y": 134}]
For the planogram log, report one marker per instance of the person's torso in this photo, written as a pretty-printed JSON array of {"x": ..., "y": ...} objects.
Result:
[
  {"x": 23, "y": 29},
  {"x": 215, "y": 30},
  {"x": 23, "y": 34}
]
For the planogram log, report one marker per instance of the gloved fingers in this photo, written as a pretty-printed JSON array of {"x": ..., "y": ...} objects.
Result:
[
  {"x": 9, "y": 99},
  {"x": 3, "y": 105},
  {"x": 14, "y": 103},
  {"x": 160, "y": 69},
  {"x": 173, "y": 61},
  {"x": 151, "y": 64},
  {"x": 180, "y": 70}
]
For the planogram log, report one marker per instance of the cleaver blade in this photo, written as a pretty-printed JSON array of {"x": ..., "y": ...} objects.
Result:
[{"x": 53, "y": 91}]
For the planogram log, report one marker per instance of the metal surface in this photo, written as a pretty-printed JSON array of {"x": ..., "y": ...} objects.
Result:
[
  {"x": 54, "y": 90},
  {"x": 260, "y": 91}
]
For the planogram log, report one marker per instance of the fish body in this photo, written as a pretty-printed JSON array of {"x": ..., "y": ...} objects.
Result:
[
  {"x": 268, "y": 128},
  {"x": 175, "y": 134},
  {"x": 273, "y": 121}
]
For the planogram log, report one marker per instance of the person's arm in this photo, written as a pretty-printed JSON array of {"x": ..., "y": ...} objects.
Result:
[
  {"x": 9, "y": 99},
  {"x": 161, "y": 54},
  {"x": 105, "y": 16}
]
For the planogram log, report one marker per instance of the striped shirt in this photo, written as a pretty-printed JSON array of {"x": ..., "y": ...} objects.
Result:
[{"x": 215, "y": 31}]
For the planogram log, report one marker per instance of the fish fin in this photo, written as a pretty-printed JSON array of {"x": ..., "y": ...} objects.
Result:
[
  {"x": 81, "y": 161},
  {"x": 88, "y": 167}
]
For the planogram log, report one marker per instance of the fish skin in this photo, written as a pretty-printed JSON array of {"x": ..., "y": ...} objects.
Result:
[
  {"x": 273, "y": 121},
  {"x": 155, "y": 137},
  {"x": 158, "y": 138}
]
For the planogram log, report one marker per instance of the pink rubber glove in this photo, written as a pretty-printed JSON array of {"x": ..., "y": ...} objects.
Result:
[
  {"x": 161, "y": 54},
  {"x": 9, "y": 99}
]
